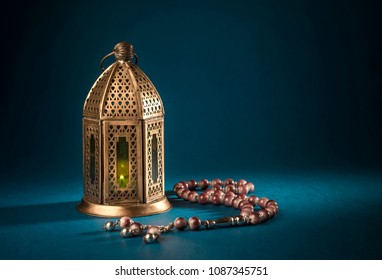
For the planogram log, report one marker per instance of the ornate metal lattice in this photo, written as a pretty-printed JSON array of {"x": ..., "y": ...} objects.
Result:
[
  {"x": 91, "y": 189},
  {"x": 155, "y": 187},
  {"x": 121, "y": 100},
  {"x": 94, "y": 99},
  {"x": 123, "y": 157},
  {"x": 151, "y": 102},
  {"x": 115, "y": 193}
]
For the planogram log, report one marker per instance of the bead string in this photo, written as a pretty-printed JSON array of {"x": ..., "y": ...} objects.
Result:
[{"x": 230, "y": 193}]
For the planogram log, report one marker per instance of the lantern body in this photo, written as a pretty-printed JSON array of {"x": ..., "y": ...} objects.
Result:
[{"x": 123, "y": 145}]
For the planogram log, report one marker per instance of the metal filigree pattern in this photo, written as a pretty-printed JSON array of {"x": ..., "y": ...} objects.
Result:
[
  {"x": 93, "y": 101},
  {"x": 115, "y": 193},
  {"x": 155, "y": 188},
  {"x": 152, "y": 105},
  {"x": 123, "y": 150},
  {"x": 91, "y": 189},
  {"x": 120, "y": 100}
]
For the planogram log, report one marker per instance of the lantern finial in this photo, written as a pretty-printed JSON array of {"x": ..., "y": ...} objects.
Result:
[{"x": 124, "y": 51}]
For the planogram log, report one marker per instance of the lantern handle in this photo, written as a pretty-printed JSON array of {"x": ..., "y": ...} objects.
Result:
[{"x": 110, "y": 54}]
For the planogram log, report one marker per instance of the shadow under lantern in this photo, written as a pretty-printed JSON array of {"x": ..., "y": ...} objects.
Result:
[{"x": 123, "y": 142}]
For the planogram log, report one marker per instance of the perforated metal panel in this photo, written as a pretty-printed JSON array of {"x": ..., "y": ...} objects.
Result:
[
  {"x": 114, "y": 193},
  {"x": 121, "y": 98},
  {"x": 93, "y": 101},
  {"x": 152, "y": 105},
  {"x": 155, "y": 186},
  {"x": 91, "y": 189}
]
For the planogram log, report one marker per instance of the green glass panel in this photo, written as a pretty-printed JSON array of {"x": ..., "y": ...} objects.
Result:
[
  {"x": 154, "y": 157},
  {"x": 92, "y": 159},
  {"x": 122, "y": 162}
]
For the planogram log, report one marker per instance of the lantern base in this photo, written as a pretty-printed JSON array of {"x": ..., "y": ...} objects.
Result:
[{"x": 128, "y": 209}]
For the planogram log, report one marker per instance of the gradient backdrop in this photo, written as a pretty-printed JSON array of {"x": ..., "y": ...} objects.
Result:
[{"x": 284, "y": 93}]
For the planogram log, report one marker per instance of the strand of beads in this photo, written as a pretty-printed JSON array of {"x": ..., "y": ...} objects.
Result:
[
  {"x": 130, "y": 228},
  {"x": 230, "y": 193}
]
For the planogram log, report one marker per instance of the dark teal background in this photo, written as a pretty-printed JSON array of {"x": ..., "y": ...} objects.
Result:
[{"x": 285, "y": 93}]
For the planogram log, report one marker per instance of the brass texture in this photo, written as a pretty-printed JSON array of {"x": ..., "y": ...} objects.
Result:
[
  {"x": 123, "y": 102},
  {"x": 131, "y": 209}
]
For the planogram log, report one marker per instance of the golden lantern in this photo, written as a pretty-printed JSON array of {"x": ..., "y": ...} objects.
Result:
[{"x": 123, "y": 142}]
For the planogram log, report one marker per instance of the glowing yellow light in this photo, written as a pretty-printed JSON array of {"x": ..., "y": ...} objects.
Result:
[{"x": 121, "y": 177}]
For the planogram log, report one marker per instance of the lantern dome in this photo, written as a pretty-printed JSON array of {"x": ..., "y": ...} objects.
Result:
[{"x": 123, "y": 91}]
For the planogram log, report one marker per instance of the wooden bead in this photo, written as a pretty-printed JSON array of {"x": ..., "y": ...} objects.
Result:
[
  {"x": 192, "y": 184},
  {"x": 254, "y": 218},
  {"x": 202, "y": 198},
  {"x": 228, "y": 200},
  {"x": 236, "y": 202},
  {"x": 203, "y": 184},
  {"x": 194, "y": 223},
  {"x": 253, "y": 199},
  {"x": 180, "y": 223},
  {"x": 192, "y": 196},
  {"x": 125, "y": 222},
  {"x": 216, "y": 182},
  {"x": 241, "y": 182},
  {"x": 263, "y": 202},
  {"x": 229, "y": 181},
  {"x": 250, "y": 186},
  {"x": 264, "y": 216}
]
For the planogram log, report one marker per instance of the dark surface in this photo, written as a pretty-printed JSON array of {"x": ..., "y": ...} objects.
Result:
[
  {"x": 287, "y": 94},
  {"x": 324, "y": 215}
]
